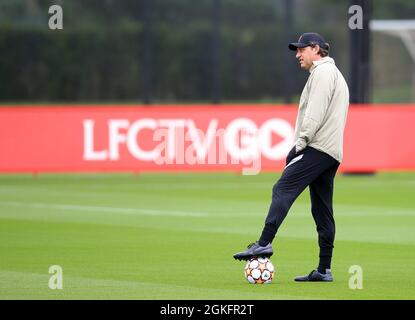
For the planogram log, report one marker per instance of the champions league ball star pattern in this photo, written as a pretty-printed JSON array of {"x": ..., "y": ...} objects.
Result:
[{"x": 259, "y": 271}]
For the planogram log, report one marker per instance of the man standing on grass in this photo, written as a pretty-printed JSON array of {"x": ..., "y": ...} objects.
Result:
[{"x": 315, "y": 157}]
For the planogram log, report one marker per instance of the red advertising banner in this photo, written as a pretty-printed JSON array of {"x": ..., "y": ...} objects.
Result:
[{"x": 248, "y": 138}]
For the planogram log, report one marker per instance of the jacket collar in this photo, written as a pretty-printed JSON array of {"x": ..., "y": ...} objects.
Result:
[{"x": 321, "y": 61}]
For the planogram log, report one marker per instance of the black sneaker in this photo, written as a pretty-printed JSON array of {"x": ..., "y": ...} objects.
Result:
[
  {"x": 316, "y": 276},
  {"x": 254, "y": 250}
]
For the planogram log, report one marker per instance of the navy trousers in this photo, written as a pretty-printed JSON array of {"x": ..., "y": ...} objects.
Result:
[{"x": 315, "y": 169}]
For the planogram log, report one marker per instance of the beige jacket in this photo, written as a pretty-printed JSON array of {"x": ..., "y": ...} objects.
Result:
[{"x": 323, "y": 110}]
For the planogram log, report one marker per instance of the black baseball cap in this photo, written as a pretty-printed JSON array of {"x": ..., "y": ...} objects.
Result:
[{"x": 307, "y": 39}]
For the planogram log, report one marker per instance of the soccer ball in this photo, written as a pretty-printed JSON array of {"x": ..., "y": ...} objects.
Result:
[{"x": 259, "y": 271}]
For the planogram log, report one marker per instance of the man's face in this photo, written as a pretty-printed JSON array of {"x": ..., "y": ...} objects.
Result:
[{"x": 307, "y": 55}]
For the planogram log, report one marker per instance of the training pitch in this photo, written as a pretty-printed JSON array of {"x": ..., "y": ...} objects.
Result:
[{"x": 172, "y": 236}]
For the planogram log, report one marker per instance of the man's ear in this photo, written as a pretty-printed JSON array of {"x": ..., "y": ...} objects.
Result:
[{"x": 316, "y": 49}]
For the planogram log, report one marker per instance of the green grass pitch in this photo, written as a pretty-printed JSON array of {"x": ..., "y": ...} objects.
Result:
[{"x": 172, "y": 236}]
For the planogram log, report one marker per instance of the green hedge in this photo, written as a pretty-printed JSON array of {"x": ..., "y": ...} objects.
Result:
[{"x": 69, "y": 65}]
